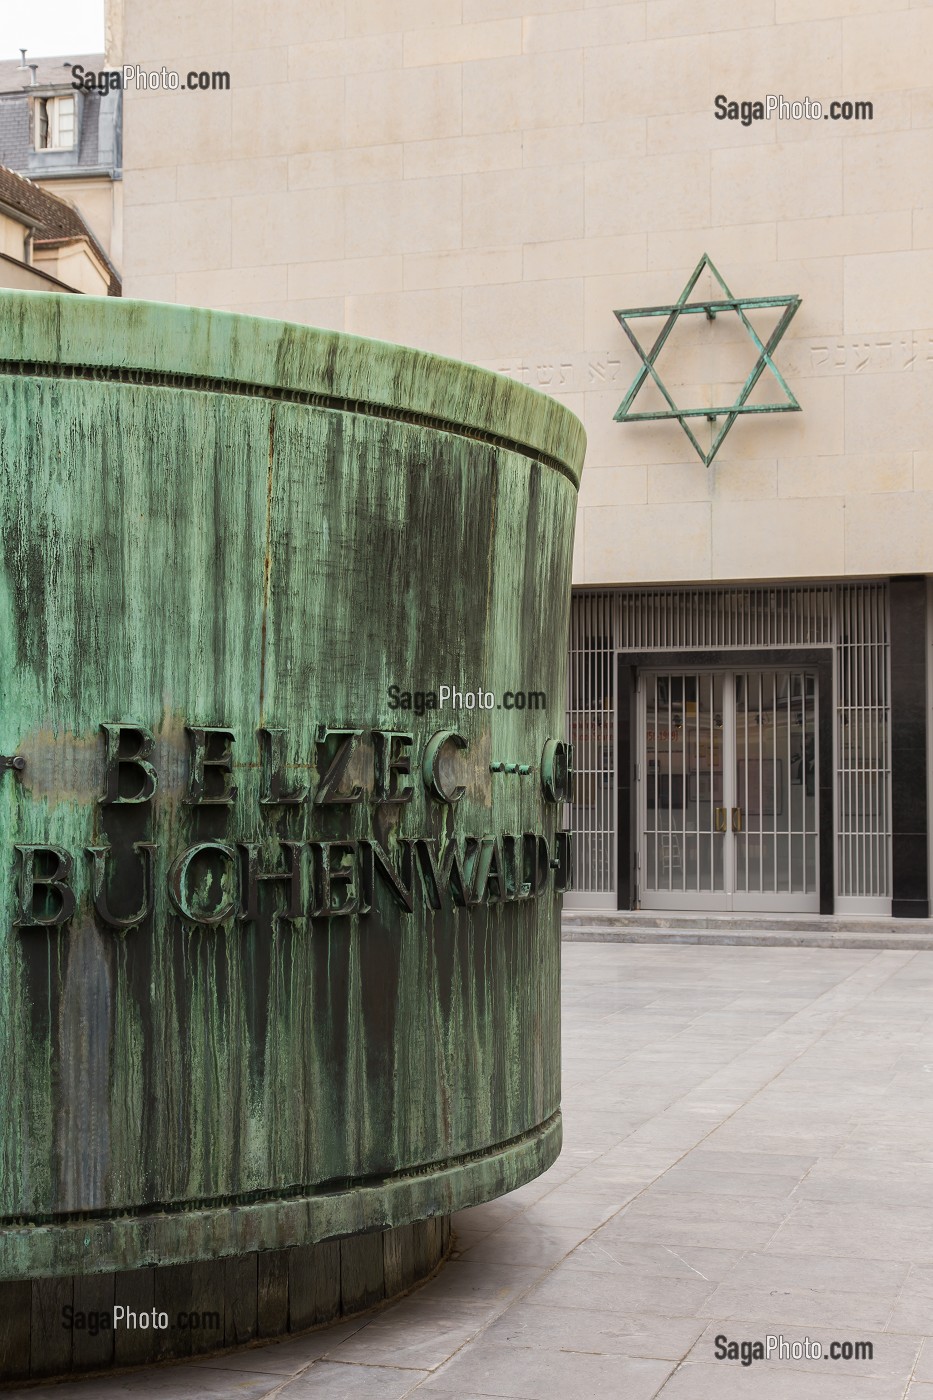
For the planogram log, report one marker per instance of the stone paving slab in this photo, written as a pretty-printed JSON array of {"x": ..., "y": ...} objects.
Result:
[{"x": 748, "y": 1153}]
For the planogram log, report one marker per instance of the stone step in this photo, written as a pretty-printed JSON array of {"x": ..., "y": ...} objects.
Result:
[{"x": 758, "y": 930}]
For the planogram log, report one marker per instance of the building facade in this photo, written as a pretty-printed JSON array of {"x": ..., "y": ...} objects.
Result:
[
  {"x": 45, "y": 245},
  {"x": 66, "y": 139},
  {"x": 493, "y": 179}
]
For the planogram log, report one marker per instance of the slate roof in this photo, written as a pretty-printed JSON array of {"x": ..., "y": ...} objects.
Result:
[
  {"x": 14, "y": 131},
  {"x": 50, "y": 71}
]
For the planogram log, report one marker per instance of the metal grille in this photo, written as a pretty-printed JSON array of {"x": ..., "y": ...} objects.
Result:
[
  {"x": 591, "y": 727},
  {"x": 850, "y": 617},
  {"x": 863, "y": 751},
  {"x": 776, "y": 787},
  {"x": 701, "y": 618},
  {"x": 683, "y": 796}
]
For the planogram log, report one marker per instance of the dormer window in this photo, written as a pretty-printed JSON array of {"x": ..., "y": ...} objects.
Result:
[{"x": 55, "y": 123}]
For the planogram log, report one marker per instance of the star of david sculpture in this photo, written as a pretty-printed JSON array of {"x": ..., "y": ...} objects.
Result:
[{"x": 710, "y": 307}]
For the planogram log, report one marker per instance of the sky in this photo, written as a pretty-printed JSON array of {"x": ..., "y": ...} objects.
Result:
[{"x": 51, "y": 27}]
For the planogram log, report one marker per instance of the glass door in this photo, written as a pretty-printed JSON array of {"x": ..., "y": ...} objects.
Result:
[{"x": 727, "y": 790}]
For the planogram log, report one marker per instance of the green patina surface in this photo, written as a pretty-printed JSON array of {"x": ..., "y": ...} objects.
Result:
[{"x": 210, "y": 520}]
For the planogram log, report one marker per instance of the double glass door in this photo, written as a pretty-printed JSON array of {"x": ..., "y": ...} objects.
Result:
[{"x": 727, "y": 790}]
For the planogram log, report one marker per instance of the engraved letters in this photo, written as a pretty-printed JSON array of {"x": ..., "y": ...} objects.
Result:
[
  {"x": 329, "y": 789},
  {"x": 116, "y": 764},
  {"x": 272, "y": 745},
  {"x": 210, "y": 749},
  {"x": 236, "y": 883},
  {"x": 98, "y": 856},
  {"x": 57, "y": 901}
]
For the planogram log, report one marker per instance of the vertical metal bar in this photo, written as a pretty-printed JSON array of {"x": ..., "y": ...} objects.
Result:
[
  {"x": 839, "y": 803},
  {"x": 655, "y": 770},
  {"x": 864, "y": 605},
  {"x": 887, "y": 695},
  {"x": 746, "y": 678},
  {"x": 852, "y": 755},
  {"x": 860, "y": 750},
  {"x": 841, "y": 874},
  {"x": 878, "y": 758},
  {"x": 860, "y": 702},
  {"x": 813, "y": 836},
  {"x": 857, "y": 754},
  {"x": 670, "y": 784},
  {"x": 805, "y": 711},
  {"x": 872, "y": 784},
  {"x": 595, "y": 681},
  {"x": 597, "y": 732},
  {"x": 844, "y": 728},
  {"x": 881, "y": 746},
  {"x": 611, "y": 723},
  {"x": 750, "y": 759},
  {"x": 589, "y": 661},
  {"x": 798, "y": 822},
  {"x": 644, "y": 812},
  {"x": 886, "y": 633},
  {"x": 695, "y": 834},
  {"x": 813, "y": 825},
  {"x": 761, "y": 785},
  {"x": 878, "y": 737},
  {"x": 591, "y": 681},
  {"x": 785, "y": 795},
  {"x": 853, "y": 739},
  {"x": 705, "y": 839},
  {"x": 868, "y": 760},
  {"x": 680, "y": 745},
  {"x": 847, "y": 759},
  {"x": 847, "y": 696},
  {"x": 589, "y": 684},
  {"x": 599, "y": 816},
  {"x": 845, "y": 651},
  {"x": 741, "y": 788},
  {"x": 871, "y": 762},
  {"x": 875, "y": 736},
  {"x": 865, "y": 739},
  {"x": 855, "y": 746},
  {"x": 711, "y": 764},
  {"x": 788, "y": 681},
  {"x": 684, "y": 730},
  {"x": 876, "y": 752},
  {"x": 731, "y": 681},
  {"x": 680, "y": 737},
  {"x": 882, "y": 723}
]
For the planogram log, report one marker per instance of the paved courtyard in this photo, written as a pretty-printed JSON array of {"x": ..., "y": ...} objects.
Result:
[{"x": 748, "y": 1152}]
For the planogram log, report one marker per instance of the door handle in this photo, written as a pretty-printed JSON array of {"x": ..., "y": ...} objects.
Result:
[
  {"x": 720, "y": 815},
  {"x": 737, "y": 819}
]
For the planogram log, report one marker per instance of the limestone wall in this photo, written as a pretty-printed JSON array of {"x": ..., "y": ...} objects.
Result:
[{"x": 491, "y": 178}]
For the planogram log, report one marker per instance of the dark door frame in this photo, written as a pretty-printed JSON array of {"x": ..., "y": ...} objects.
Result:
[{"x": 818, "y": 659}]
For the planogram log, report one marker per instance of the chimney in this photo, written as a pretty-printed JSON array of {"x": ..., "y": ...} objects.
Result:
[
  {"x": 22, "y": 58},
  {"x": 34, "y": 70}
]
